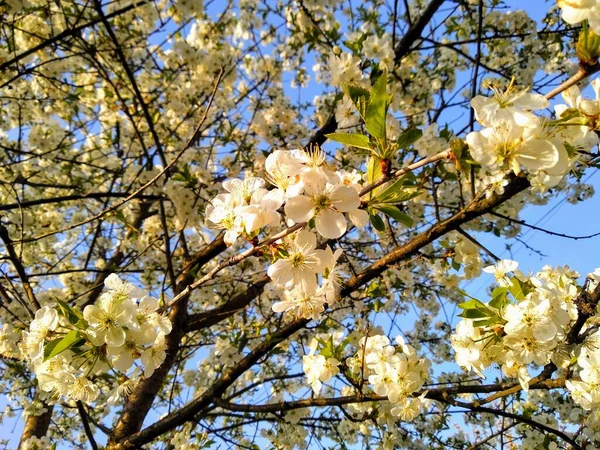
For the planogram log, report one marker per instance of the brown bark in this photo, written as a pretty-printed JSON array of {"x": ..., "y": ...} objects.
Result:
[{"x": 37, "y": 425}]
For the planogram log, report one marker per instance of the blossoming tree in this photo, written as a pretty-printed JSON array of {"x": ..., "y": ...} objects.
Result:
[{"x": 246, "y": 224}]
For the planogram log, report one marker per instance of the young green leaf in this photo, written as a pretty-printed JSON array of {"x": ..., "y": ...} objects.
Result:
[
  {"x": 72, "y": 315},
  {"x": 374, "y": 172},
  {"x": 408, "y": 137},
  {"x": 474, "y": 309},
  {"x": 352, "y": 139},
  {"x": 393, "y": 212},
  {"x": 397, "y": 192},
  {"x": 377, "y": 222},
  {"x": 59, "y": 345},
  {"x": 360, "y": 97},
  {"x": 518, "y": 289},
  {"x": 377, "y": 110},
  {"x": 499, "y": 298}
]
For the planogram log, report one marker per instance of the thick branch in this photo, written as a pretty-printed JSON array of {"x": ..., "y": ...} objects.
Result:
[{"x": 37, "y": 426}]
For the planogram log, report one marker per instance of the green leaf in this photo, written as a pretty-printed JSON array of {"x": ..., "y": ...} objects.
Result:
[
  {"x": 377, "y": 109},
  {"x": 499, "y": 298},
  {"x": 473, "y": 314},
  {"x": 377, "y": 222},
  {"x": 518, "y": 289},
  {"x": 59, "y": 345},
  {"x": 178, "y": 177},
  {"x": 393, "y": 212},
  {"x": 588, "y": 46},
  {"x": 409, "y": 137},
  {"x": 475, "y": 309},
  {"x": 486, "y": 322},
  {"x": 353, "y": 139},
  {"x": 397, "y": 192},
  {"x": 374, "y": 172},
  {"x": 72, "y": 315},
  {"x": 360, "y": 97}
]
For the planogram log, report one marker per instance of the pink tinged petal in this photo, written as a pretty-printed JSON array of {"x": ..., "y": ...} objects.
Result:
[
  {"x": 345, "y": 198},
  {"x": 300, "y": 209},
  {"x": 537, "y": 154},
  {"x": 331, "y": 224}
]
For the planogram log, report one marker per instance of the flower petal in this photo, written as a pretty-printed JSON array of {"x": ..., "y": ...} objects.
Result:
[
  {"x": 300, "y": 209},
  {"x": 331, "y": 224}
]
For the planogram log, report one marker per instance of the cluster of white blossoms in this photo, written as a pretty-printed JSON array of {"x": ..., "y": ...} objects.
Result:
[
  {"x": 35, "y": 443},
  {"x": 313, "y": 194},
  {"x": 311, "y": 189},
  {"x": 585, "y": 389},
  {"x": 529, "y": 329},
  {"x": 320, "y": 368},
  {"x": 576, "y": 11},
  {"x": 185, "y": 203},
  {"x": 515, "y": 139},
  {"x": 68, "y": 350},
  {"x": 393, "y": 371}
]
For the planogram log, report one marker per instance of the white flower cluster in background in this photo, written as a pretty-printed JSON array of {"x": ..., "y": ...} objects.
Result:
[
  {"x": 68, "y": 350},
  {"x": 526, "y": 323}
]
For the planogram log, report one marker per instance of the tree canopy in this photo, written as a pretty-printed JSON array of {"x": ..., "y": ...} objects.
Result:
[{"x": 249, "y": 224}]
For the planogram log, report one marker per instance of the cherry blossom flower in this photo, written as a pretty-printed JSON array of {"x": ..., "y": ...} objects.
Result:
[
  {"x": 326, "y": 207},
  {"x": 107, "y": 320},
  {"x": 509, "y": 106},
  {"x": 301, "y": 264}
]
